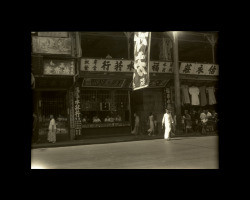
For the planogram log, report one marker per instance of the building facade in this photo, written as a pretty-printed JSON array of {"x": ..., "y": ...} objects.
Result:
[{"x": 90, "y": 95}]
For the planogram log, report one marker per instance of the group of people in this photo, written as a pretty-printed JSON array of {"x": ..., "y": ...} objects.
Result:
[
  {"x": 198, "y": 119},
  {"x": 168, "y": 123},
  {"x": 190, "y": 121}
]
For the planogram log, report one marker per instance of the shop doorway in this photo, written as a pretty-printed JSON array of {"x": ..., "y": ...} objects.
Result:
[
  {"x": 53, "y": 103},
  {"x": 145, "y": 101},
  {"x": 136, "y": 103}
]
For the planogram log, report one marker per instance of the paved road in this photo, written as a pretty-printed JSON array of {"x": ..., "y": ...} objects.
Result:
[{"x": 178, "y": 153}]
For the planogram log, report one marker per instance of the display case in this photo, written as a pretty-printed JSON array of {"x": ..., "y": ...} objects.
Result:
[{"x": 105, "y": 103}]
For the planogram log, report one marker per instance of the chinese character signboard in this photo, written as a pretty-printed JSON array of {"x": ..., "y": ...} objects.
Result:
[
  {"x": 50, "y": 45},
  {"x": 155, "y": 83},
  {"x": 116, "y": 65},
  {"x": 59, "y": 67},
  {"x": 158, "y": 83},
  {"x": 107, "y": 65},
  {"x": 105, "y": 83},
  {"x": 199, "y": 69},
  {"x": 77, "y": 119},
  {"x": 141, "y": 57}
]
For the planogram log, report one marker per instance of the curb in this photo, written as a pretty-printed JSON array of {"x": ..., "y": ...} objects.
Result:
[{"x": 115, "y": 139}]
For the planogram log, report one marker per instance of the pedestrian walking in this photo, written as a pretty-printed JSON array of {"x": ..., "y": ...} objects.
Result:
[
  {"x": 52, "y": 130},
  {"x": 173, "y": 125},
  {"x": 167, "y": 120},
  {"x": 137, "y": 123},
  {"x": 155, "y": 126},
  {"x": 151, "y": 124}
]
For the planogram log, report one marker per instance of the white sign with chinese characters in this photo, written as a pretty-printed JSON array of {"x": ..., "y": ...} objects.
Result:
[
  {"x": 122, "y": 65},
  {"x": 142, "y": 57},
  {"x": 59, "y": 67},
  {"x": 199, "y": 69},
  {"x": 112, "y": 65},
  {"x": 107, "y": 65}
]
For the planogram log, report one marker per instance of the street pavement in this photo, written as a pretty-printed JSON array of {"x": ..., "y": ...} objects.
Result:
[{"x": 178, "y": 153}]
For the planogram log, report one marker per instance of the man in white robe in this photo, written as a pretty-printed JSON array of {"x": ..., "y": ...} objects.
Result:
[{"x": 167, "y": 120}]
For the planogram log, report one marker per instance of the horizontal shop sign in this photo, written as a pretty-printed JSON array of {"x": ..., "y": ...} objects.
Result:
[
  {"x": 113, "y": 65},
  {"x": 104, "y": 82},
  {"x": 58, "y": 67},
  {"x": 51, "y": 45},
  {"x": 155, "y": 83},
  {"x": 53, "y": 34},
  {"x": 199, "y": 69}
]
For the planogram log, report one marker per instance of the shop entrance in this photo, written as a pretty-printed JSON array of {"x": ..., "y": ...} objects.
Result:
[
  {"x": 136, "y": 99},
  {"x": 145, "y": 101},
  {"x": 53, "y": 103}
]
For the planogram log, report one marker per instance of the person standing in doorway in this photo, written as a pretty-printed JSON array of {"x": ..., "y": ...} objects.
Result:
[
  {"x": 167, "y": 120},
  {"x": 35, "y": 128},
  {"x": 52, "y": 130},
  {"x": 151, "y": 124},
  {"x": 137, "y": 123}
]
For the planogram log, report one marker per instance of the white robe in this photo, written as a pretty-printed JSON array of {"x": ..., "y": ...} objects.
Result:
[{"x": 167, "y": 120}]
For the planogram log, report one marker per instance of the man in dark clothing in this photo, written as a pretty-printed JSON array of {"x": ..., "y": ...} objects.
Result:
[
  {"x": 35, "y": 128},
  {"x": 195, "y": 120}
]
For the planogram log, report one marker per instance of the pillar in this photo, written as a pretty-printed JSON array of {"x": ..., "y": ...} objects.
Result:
[{"x": 177, "y": 81}]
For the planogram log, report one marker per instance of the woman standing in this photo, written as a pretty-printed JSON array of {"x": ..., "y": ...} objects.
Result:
[
  {"x": 136, "y": 128},
  {"x": 52, "y": 130},
  {"x": 151, "y": 124}
]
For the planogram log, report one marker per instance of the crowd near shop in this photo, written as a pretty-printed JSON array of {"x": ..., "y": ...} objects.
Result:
[{"x": 83, "y": 84}]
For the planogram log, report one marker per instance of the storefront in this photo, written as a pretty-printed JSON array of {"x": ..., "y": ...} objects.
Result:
[
  {"x": 51, "y": 96},
  {"x": 199, "y": 86},
  {"x": 106, "y": 90},
  {"x": 104, "y": 108},
  {"x": 54, "y": 66},
  {"x": 104, "y": 98}
]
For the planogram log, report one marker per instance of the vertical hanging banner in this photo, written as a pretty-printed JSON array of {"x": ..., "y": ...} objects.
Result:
[
  {"x": 77, "y": 112},
  {"x": 141, "y": 59}
]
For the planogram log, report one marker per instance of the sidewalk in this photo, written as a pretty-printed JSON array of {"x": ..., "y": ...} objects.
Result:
[{"x": 112, "y": 139}]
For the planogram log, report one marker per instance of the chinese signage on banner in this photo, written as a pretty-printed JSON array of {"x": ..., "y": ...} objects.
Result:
[
  {"x": 51, "y": 45},
  {"x": 59, "y": 67},
  {"x": 141, "y": 57},
  {"x": 106, "y": 83},
  {"x": 77, "y": 112}
]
